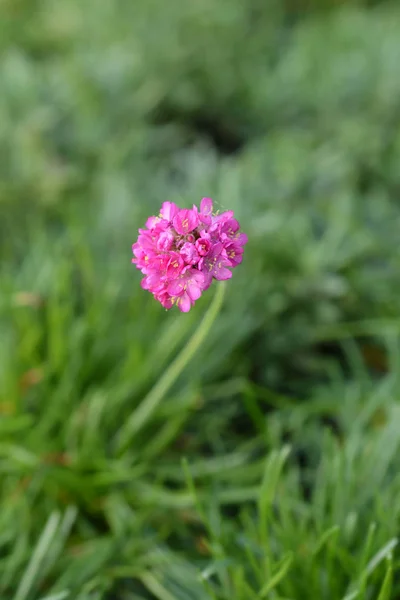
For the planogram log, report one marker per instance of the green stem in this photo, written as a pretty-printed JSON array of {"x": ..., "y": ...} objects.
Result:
[{"x": 149, "y": 404}]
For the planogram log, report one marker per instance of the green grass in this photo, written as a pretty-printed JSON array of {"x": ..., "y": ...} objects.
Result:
[{"x": 248, "y": 449}]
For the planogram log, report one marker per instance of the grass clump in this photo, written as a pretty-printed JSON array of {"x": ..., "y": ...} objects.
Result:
[{"x": 268, "y": 466}]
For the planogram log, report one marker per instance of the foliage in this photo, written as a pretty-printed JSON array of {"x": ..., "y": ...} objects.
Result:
[{"x": 269, "y": 468}]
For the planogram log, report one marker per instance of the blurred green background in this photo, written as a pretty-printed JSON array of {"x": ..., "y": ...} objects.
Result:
[{"x": 270, "y": 469}]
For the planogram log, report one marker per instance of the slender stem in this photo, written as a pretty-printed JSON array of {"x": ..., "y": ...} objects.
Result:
[{"x": 149, "y": 404}]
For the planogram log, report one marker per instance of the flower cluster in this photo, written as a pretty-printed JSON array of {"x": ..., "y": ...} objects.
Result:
[{"x": 182, "y": 250}]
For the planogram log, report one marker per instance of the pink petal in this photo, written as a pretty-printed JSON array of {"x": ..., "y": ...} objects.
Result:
[
  {"x": 185, "y": 221},
  {"x": 222, "y": 273},
  {"x": 152, "y": 222},
  {"x": 176, "y": 287},
  {"x": 236, "y": 260},
  {"x": 183, "y": 303},
  {"x": 145, "y": 240},
  {"x": 193, "y": 291},
  {"x": 230, "y": 227},
  {"x": 206, "y": 206},
  {"x": 169, "y": 210},
  {"x": 153, "y": 283},
  {"x": 165, "y": 241},
  {"x": 223, "y": 217},
  {"x": 175, "y": 265},
  {"x": 203, "y": 246},
  {"x": 166, "y": 302},
  {"x": 215, "y": 250},
  {"x": 189, "y": 253},
  {"x": 144, "y": 283},
  {"x": 207, "y": 280},
  {"x": 198, "y": 277},
  {"x": 242, "y": 239}
]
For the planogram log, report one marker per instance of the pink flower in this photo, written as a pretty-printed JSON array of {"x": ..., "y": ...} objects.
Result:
[
  {"x": 156, "y": 223},
  {"x": 234, "y": 253},
  {"x": 233, "y": 245},
  {"x": 156, "y": 265},
  {"x": 168, "y": 211},
  {"x": 203, "y": 246},
  {"x": 165, "y": 241},
  {"x": 215, "y": 264},
  {"x": 189, "y": 253},
  {"x": 185, "y": 221},
  {"x": 223, "y": 217},
  {"x": 153, "y": 283},
  {"x": 186, "y": 289},
  {"x": 228, "y": 228},
  {"x": 175, "y": 265},
  {"x": 241, "y": 239},
  {"x": 181, "y": 251},
  {"x": 164, "y": 299},
  {"x": 146, "y": 239}
]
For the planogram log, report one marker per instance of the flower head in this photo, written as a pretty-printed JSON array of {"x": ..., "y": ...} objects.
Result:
[{"x": 181, "y": 251}]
